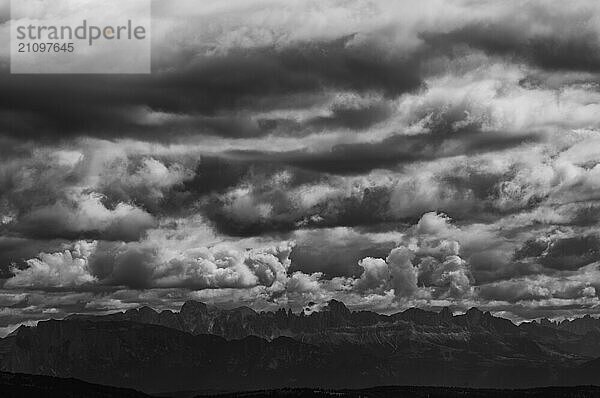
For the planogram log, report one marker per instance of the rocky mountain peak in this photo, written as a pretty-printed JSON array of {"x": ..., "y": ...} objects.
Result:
[
  {"x": 546, "y": 322},
  {"x": 244, "y": 311},
  {"x": 337, "y": 307},
  {"x": 145, "y": 310},
  {"x": 194, "y": 316},
  {"x": 192, "y": 306},
  {"x": 474, "y": 310},
  {"x": 474, "y": 315}
]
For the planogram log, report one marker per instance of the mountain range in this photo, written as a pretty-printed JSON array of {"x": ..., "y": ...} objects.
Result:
[{"x": 207, "y": 349}]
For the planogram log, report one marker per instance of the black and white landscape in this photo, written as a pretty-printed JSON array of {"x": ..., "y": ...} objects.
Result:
[{"x": 325, "y": 194}]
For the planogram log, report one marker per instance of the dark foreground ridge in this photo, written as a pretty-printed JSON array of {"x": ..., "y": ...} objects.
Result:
[
  {"x": 16, "y": 385},
  {"x": 421, "y": 392}
]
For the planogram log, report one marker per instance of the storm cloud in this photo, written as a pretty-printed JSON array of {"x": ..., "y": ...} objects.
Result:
[{"x": 371, "y": 151}]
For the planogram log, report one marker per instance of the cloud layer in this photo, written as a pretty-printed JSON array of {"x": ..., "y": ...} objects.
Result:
[{"x": 370, "y": 151}]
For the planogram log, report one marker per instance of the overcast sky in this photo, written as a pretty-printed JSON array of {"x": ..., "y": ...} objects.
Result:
[{"x": 388, "y": 154}]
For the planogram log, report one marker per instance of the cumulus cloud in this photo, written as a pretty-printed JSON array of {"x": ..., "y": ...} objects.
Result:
[
  {"x": 300, "y": 282},
  {"x": 454, "y": 274},
  {"x": 67, "y": 269},
  {"x": 538, "y": 288},
  {"x": 425, "y": 267},
  {"x": 137, "y": 265},
  {"x": 444, "y": 154},
  {"x": 146, "y": 265},
  {"x": 376, "y": 274},
  {"x": 84, "y": 214},
  {"x": 145, "y": 181},
  {"x": 562, "y": 250}
]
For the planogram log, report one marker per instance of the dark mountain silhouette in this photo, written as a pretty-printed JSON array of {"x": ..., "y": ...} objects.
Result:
[
  {"x": 422, "y": 392},
  {"x": 582, "y": 326},
  {"x": 16, "y": 385},
  {"x": 198, "y": 318},
  {"x": 204, "y": 348}
]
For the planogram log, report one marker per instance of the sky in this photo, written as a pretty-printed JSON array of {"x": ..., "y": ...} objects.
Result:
[{"x": 388, "y": 154}]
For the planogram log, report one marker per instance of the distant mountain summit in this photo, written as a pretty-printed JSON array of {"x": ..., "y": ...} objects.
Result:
[
  {"x": 206, "y": 347},
  {"x": 196, "y": 317}
]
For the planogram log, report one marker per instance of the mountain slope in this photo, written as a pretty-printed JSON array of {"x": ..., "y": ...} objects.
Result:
[
  {"x": 155, "y": 358},
  {"x": 205, "y": 348},
  {"x": 336, "y": 324},
  {"x": 16, "y": 385}
]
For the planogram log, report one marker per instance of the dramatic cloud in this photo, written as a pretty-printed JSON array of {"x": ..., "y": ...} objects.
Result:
[
  {"x": 57, "y": 270},
  {"x": 144, "y": 265},
  {"x": 288, "y": 152},
  {"x": 85, "y": 214}
]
